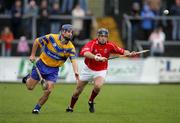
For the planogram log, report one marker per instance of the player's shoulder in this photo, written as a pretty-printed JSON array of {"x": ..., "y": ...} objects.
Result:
[
  {"x": 110, "y": 43},
  {"x": 70, "y": 44},
  {"x": 46, "y": 36},
  {"x": 53, "y": 35},
  {"x": 92, "y": 41}
]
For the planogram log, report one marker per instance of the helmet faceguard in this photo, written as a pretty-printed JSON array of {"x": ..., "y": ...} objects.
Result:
[
  {"x": 103, "y": 31},
  {"x": 67, "y": 28},
  {"x": 102, "y": 35}
]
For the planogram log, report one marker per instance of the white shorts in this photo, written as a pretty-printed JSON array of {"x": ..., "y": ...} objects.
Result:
[{"x": 88, "y": 74}]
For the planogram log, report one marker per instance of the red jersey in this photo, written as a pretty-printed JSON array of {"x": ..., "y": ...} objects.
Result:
[{"x": 101, "y": 50}]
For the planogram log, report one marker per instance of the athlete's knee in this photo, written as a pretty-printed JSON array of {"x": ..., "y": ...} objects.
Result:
[
  {"x": 77, "y": 93},
  {"x": 29, "y": 87},
  {"x": 30, "y": 84}
]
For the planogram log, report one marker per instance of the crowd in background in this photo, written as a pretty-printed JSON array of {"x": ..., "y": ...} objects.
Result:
[
  {"x": 19, "y": 27},
  {"x": 43, "y": 8},
  {"x": 157, "y": 31}
]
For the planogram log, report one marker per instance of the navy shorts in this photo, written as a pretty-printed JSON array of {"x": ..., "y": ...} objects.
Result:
[{"x": 48, "y": 73}]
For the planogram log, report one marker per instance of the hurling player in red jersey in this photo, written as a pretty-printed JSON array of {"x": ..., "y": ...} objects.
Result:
[{"x": 96, "y": 53}]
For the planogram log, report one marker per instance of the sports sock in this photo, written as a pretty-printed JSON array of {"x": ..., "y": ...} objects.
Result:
[
  {"x": 73, "y": 101},
  {"x": 38, "y": 107},
  {"x": 93, "y": 95}
]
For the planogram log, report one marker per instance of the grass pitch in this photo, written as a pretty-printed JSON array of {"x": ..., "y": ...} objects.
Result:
[{"x": 115, "y": 104}]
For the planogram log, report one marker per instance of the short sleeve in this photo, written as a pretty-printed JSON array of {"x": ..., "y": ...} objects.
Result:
[
  {"x": 72, "y": 53},
  {"x": 42, "y": 40},
  {"x": 87, "y": 48},
  {"x": 116, "y": 50}
]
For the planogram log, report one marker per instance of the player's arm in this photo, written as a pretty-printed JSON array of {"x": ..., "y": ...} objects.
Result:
[
  {"x": 130, "y": 54},
  {"x": 74, "y": 62},
  {"x": 90, "y": 55},
  {"x": 117, "y": 50},
  {"x": 87, "y": 52},
  {"x": 75, "y": 69},
  {"x": 126, "y": 52},
  {"x": 33, "y": 52},
  {"x": 39, "y": 42}
]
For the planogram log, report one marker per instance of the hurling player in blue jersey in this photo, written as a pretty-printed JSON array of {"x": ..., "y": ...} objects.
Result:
[{"x": 56, "y": 49}]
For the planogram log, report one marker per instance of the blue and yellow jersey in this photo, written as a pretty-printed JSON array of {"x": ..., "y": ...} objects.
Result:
[{"x": 54, "y": 54}]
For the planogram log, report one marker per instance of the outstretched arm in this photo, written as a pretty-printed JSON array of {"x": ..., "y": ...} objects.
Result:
[
  {"x": 130, "y": 54},
  {"x": 126, "y": 52}
]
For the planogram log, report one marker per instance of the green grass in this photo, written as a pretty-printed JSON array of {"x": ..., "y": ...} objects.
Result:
[{"x": 115, "y": 104}]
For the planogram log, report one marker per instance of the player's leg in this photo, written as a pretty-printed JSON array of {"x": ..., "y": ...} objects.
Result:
[
  {"x": 44, "y": 97},
  {"x": 85, "y": 76},
  {"x": 98, "y": 83},
  {"x": 31, "y": 79},
  {"x": 99, "y": 77},
  {"x": 51, "y": 79},
  {"x": 31, "y": 83},
  {"x": 78, "y": 90}
]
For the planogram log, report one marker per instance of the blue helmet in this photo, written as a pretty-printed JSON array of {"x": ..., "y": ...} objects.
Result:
[
  {"x": 103, "y": 31},
  {"x": 66, "y": 27}
]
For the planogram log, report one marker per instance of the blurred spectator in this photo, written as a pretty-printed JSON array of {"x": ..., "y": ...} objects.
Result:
[
  {"x": 44, "y": 20},
  {"x": 17, "y": 13},
  {"x": 90, "y": 25},
  {"x": 157, "y": 39},
  {"x": 155, "y": 5},
  {"x": 51, "y": 2},
  {"x": 23, "y": 47},
  {"x": 77, "y": 21},
  {"x": 30, "y": 10},
  {"x": 147, "y": 22},
  {"x": 2, "y": 8},
  {"x": 67, "y": 6},
  {"x": 55, "y": 23},
  {"x": 135, "y": 12},
  {"x": 175, "y": 10},
  {"x": 83, "y": 4},
  {"x": 7, "y": 36}
]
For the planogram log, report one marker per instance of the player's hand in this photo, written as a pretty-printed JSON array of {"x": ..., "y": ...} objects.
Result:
[
  {"x": 103, "y": 59},
  {"x": 99, "y": 58},
  {"x": 133, "y": 54},
  {"x": 32, "y": 58}
]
